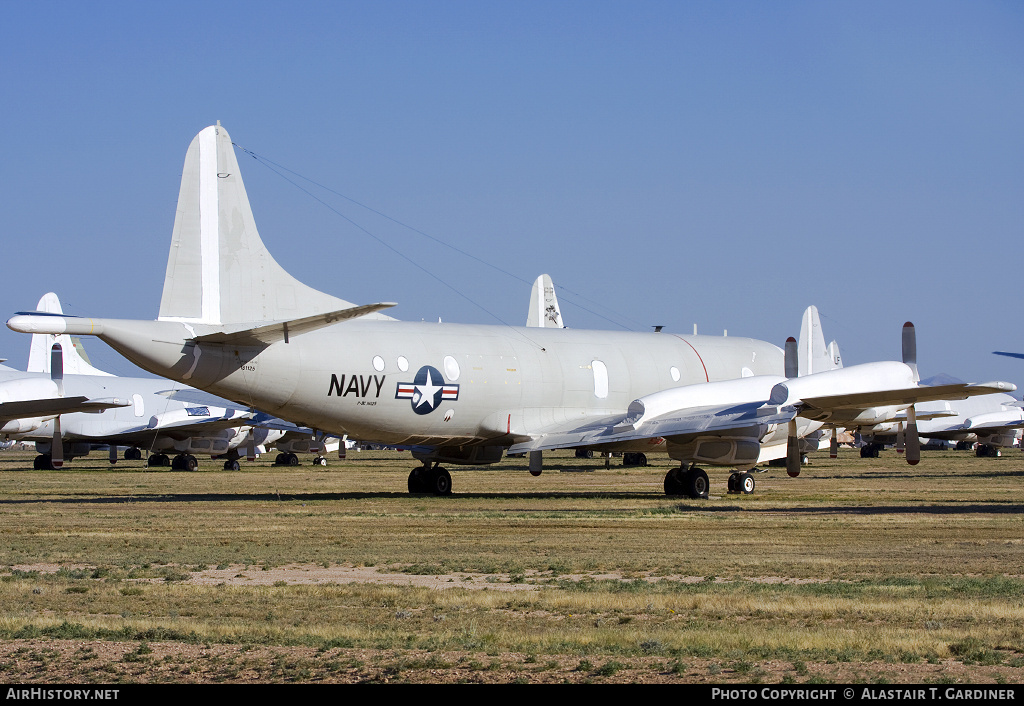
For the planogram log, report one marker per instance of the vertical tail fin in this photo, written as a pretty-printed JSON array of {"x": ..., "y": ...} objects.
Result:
[
  {"x": 544, "y": 311},
  {"x": 219, "y": 271},
  {"x": 814, "y": 355},
  {"x": 76, "y": 362}
]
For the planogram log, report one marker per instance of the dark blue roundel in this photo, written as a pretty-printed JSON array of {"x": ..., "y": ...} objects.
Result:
[{"x": 427, "y": 390}]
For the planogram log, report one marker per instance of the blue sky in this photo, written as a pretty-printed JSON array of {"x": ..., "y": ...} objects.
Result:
[{"x": 673, "y": 163}]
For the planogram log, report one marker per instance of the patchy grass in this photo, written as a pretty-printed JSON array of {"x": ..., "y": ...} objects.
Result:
[{"x": 856, "y": 562}]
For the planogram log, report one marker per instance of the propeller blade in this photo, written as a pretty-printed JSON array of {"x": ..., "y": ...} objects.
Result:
[
  {"x": 536, "y": 462},
  {"x": 833, "y": 445},
  {"x": 901, "y": 438},
  {"x": 57, "y": 367},
  {"x": 57, "y": 446},
  {"x": 250, "y": 453},
  {"x": 57, "y": 375},
  {"x": 113, "y": 454},
  {"x": 793, "y": 451},
  {"x": 910, "y": 348},
  {"x": 913, "y": 440},
  {"x": 792, "y": 361}
]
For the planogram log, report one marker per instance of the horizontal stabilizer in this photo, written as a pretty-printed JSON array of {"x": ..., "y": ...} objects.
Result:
[{"x": 283, "y": 330}]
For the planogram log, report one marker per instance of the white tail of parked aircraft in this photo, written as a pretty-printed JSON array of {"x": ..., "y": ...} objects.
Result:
[
  {"x": 219, "y": 271},
  {"x": 544, "y": 311}
]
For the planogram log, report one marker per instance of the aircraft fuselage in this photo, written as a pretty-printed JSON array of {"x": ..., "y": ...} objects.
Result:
[{"x": 441, "y": 384}]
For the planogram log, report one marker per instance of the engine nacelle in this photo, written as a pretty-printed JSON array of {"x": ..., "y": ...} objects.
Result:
[
  {"x": 22, "y": 426},
  {"x": 461, "y": 455},
  {"x": 705, "y": 394},
  {"x": 1002, "y": 418},
  {"x": 301, "y": 446},
  {"x": 867, "y": 377},
  {"x": 202, "y": 445},
  {"x": 717, "y": 451},
  {"x": 28, "y": 389}
]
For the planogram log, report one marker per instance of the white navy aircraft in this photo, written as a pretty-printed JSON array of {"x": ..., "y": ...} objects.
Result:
[{"x": 234, "y": 323}]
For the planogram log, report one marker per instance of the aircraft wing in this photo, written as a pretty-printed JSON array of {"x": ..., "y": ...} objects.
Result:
[
  {"x": 677, "y": 425},
  {"x": 851, "y": 402},
  {"x": 49, "y": 407}
]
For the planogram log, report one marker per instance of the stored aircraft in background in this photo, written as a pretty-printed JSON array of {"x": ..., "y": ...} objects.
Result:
[
  {"x": 992, "y": 422},
  {"x": 139, "y": 413},
  {"x": 234, "y": 323}
]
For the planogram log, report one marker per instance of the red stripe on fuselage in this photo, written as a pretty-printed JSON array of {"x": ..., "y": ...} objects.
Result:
[{"x": 706, "y": 378}]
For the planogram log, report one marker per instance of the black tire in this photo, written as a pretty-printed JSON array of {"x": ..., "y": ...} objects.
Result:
[
  {"x": 696, "y": 483},
  {"x": 733, "y": 483},
  {"x": 440, "y": 481},
  {"x": 416, "y": 484},
  {"x": 291, "y": 459},
  {"x": 674, "y": 482},
  {"x": 232, "y": 466},
  {"x": 584, "y": 453},
  {"x": 190, "y": 462}
]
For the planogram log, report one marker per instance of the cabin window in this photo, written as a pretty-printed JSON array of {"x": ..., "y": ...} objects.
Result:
[
  {"x": 378, "y": 363},
  {"x": 140, "y": 406},
  {"x": 403, "y": 363},
  {"x": 674, "y": 372},
  {"x": 451, "y": 368},
  {"x": 600, "y": 379}
]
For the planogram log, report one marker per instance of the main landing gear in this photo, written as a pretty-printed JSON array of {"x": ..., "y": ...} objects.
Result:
[
  {"x": 691, "y": 481},
  {"x": 181, "y": 462},
  {"x": 430, "y": 479}
]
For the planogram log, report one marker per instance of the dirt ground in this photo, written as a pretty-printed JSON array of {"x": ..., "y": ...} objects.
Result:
[
  {"x": 99, "y": 661},
  {"x": 94, "y": 661}
]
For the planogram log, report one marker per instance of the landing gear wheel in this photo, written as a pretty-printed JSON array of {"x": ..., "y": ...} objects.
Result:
[
  {"x": 232, "y": 466},
  {"x": 319, "y": 461},
  {"x": 634, "y": 459},
  {"x": 745, "y": 483},
  {"x": 185, "y": 462},
  {"x": 696, "y": 484},
  {"x": 870, "y": 451},
  {"x": 132, "y": 454},
  {"x": 733, "y": 483},
  {"x": 674, "y": 482},
  {"x": 440, "y": 481},
  {"x": 42, "y": 462},
  {"x": 291, "y": 459},
  {"x": 418, "y": 480}
]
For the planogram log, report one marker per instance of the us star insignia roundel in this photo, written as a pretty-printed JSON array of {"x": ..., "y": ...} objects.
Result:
[{"x": 427, "y": 390}]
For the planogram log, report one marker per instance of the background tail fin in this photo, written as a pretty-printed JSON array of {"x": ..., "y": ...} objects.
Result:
[
  {"x": 219, "y": 271},
  {"x": 814, "y": 356},
  {"x": 544, "y": 311},
  {"x": 76, "y": 362}
]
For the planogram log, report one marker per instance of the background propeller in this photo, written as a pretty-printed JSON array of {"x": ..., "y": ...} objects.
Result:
[
  {"x": 913, "y": 441},
  {"x": 57, "y": 375}
]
